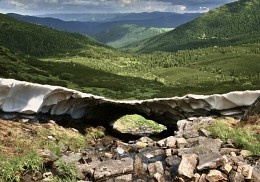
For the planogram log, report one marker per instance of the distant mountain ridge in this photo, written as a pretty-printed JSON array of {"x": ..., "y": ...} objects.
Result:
[
  {"x": 159, "y": 20},
  {"x": 231, "y": 24}
]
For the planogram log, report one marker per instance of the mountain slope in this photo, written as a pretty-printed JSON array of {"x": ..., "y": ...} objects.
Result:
[
  {"x": 122, "y": 35},
  {"x": 232, "y": 24},
  {"x": 154, "y": 19},
  {"x": 36, "y": 40}
]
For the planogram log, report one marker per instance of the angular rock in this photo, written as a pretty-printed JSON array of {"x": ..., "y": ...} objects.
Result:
[
  {"x": 151, "y": 169},
  {"x": 161, "y": 143},
  {"x": 48, "y": 156},
  {"x": 159, "y": 177},
  {"x": 215, "y": 175},
  {"x": 139, "y": 170},
  {"x": 124, "y": 178},
  {"x": 235, "y": 177},
  {"x": 204, "y": 132},
  {"x": 181, "y": 143},
  {"x": 153, "y": 155},
  {"x": 159, "y": 167},
  {"x": 245, "y": 153},
  {"x": 168, "y": 152},
  {"x": 71, "y": 158},
  {"x": 141, "y": 144},
  {"x": 173, "y": 162},
  {"x": 247, "y": 171},
  {"x": 183, "y": 151},
  {"x": 111, "y": 168},
  {"x": 188, "y": 165},
  {"x": 171, "y": 142},
  {"x": 226, "y": 168},
  {"x": 203, "y": 178},
  {"x": 253, "y": 112},
  {"x": 147, "y": 140},
  {"x": 210, "y": 161},
  {"x": 255, "y": 176},
  {"x": 224, "y": 151}
]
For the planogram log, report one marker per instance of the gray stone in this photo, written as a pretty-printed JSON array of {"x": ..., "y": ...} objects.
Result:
[
  {"x": 188, "y": 165},
  {"x": 111, "y": 168},
  {"x": 154, "y": 155},
  {"x": 159, "y": 167},
  {"x": 210, "y": 161},
  {"x": 124, "y": 178},
  {"x": 48, "y": 156},
  {"x": 71, "y": 158},
  {"x": 88, "y": 169},
  {"x": 151, "y": 169},
  {"x": 181, "y": 143},
  {"x": 224, "y": 151},
  {"x": 171, "y": 142},
  {"x": 185, "y": 151},
  {"x": 204, "y": 132},
  {"x": 215, "y": 176},
  {"x": 255, "y": 176},
  {"x": 159, "y": 177},
  {"x": 235, "y": 177}
]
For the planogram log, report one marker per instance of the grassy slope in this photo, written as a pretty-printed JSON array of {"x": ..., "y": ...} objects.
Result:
[
  {"x": 232, "y": 24},
  {"x": 122, "y": 35},
  {"x": 37, "y": 40}
]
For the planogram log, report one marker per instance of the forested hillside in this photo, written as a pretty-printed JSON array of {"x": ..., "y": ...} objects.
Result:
[
  {"x": 37, "y": 40},
  {"x": 120, "y": 36},
  {"x": 232, "y": 24}
]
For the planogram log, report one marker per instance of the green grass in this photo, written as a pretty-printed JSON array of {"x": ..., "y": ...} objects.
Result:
[
  {"x": 11, "y": 169},
  {"x": 137, "y": 124},
  {"x": 244, "y": 136},
  {"x": 122, "y": 35}
]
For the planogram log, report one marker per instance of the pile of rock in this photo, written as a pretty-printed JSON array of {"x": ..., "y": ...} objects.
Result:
[{"x": 190, "y": 155}]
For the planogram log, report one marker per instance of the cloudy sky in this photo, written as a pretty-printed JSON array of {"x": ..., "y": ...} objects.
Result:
[{"x": 99, "y": 6}]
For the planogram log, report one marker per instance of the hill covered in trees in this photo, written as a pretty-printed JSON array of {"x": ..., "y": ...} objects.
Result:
[
  {"x": 231, "y": 24},
  {"x": 120, "y": 36},
  {"x": 37, "y": 40}
]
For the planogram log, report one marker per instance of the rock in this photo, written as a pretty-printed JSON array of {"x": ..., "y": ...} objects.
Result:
[
  {"x": 226, "y": 168},
  {"x": 188, "y": 165},
  {"x": 151, "y": 169},
  {"x": 108, "y": 155},
  {"x": 72, "y": 158},
  {"x": 197, "y": 177},
  {"x": 171, "y": 142},
  {"x": 161, "y": 143},
  {"x": 204, "y": 132},
  {"x": 139, "y": 170},
  {"x": 245, "y": 153},
  {"x": 147, "y": 140},
  {"x": 51, "y": 138},
  {"x": 153, "y": 155},
  {"x": 141, "y": 144},
  {"x": 48, "y": 157},
  {"x": 203, "y": 178},
  {"x": 215, "y": 175},
  {"x": 255, "y": 176},
  {"x": 111, "y": 168},
  {"x": 235, "y": 177},
  {"x": 181, "y": 143},
  {"x": 210, "y": 161},
  {"x": 168, "y": 152},
  {"x": 253, "y": 112},
  {"x": 159, "y": 177},
  {"x": 88, "y": 168},
  {"x": 190, "y": 133},
  {"x": 183, "y": 151},
  {"x": 120, "y": 151},
  {"x": 124, "y": 178},
  {"x": 47, "y": 176},
  {"x": 247, "y": 171},
  {"x": 159, "y": 167},
  {"x": 173, "y": 162},
  {"x": 224, "y": 151}
]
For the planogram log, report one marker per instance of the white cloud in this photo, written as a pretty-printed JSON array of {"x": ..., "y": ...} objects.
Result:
[{"x": 54, "y": 6}]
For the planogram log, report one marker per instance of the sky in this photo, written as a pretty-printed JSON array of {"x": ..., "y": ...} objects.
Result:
[{"x": 37, "y": 7}]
